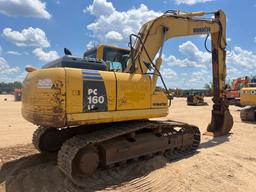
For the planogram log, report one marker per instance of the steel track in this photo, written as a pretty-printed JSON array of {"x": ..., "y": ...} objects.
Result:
[
  {"x": 71, "y": 147},
  {"x": 37, "y": 137}
]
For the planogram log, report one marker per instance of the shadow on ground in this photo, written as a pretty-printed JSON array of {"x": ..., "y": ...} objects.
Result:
[
  {"x": 215, "y": 141},
  {"x": 39, "y": 173}
]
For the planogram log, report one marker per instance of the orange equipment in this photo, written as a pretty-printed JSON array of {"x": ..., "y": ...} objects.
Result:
[{"x": 233, "y": 93}]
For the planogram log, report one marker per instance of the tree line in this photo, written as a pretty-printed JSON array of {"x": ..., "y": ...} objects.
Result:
[{"x": 9, "y": 87}]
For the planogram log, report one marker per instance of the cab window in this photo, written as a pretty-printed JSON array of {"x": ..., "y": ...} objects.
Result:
[
  {"x": 91, "y": 53},
  {"x": 116, "y": 58}
]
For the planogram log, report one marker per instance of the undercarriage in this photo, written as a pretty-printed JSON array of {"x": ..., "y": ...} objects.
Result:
[
  {"x": 248, "y": 113},
  {"x": 81, "y": 151}
]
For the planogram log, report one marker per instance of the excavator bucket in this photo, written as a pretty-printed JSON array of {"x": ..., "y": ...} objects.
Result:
[{"x": 221, "y": 122}]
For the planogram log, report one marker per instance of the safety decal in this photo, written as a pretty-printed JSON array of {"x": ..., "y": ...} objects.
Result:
[{"x": 94, "y": 92}]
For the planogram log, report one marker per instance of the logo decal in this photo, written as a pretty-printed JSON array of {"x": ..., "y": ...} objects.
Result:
[{"x": 202, "y": 30}]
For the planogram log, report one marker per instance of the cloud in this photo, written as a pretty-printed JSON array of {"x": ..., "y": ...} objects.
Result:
[
  {"x": 191, "y": 2},
  {"x": 25, "y": 8},
  {"x": 113, "y": 35},
  {"x": 242, "y": 58},
  {"x": 45, "y": 56},
  {"x": 1, "y": 50},
  {"x": 197, "y": 65},
  {"x": 6, "y": 70},
  {"x": 13, "y": 53},
  {"x": 193, "y": 68},
  {"x": 7, "y": 73},
  {"x": 233, "y": 72},
  {"x": 2, "y": 62},
  {"x": 111, "y": 24},
  {"x": 191, "y": 51},
  {"x": 193, "y": 57},
  {"x": 91, "y": 44},
  {"x": 27, "y": 37},
  {"x": 168, "y": 73},
  {"x": 100, "y": 7}
]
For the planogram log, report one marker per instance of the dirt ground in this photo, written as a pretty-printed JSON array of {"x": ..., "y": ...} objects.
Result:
[{"x": 226, "y": 163}]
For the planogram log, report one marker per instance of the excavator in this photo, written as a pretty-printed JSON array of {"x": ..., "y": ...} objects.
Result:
[
  {"x": 195, "y": 98},
  {"x": 248, "y": 99},
  {"x": 233, "y": 92},
  {"x": 95, "y": 117}
]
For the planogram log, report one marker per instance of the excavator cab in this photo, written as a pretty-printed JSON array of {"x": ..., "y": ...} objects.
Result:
[{"x": 116, "y": 58}]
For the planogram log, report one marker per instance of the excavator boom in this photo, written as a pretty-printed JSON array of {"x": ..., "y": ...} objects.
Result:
[{"x": 150, "y": 41}]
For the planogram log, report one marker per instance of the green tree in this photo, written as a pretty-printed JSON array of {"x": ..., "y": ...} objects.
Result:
[
  {"x": 209, "y": 88},
  {"x": 9, "y": 87}
]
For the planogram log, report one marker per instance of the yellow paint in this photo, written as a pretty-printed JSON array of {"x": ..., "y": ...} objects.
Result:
[
  {"x": 110, "y": 86},
  {"x": 159, "y": 100},
  {"x": 114, "y": 116},
  {"x": 74, "y": 90},
  {"x": 99, "y": 53},
  {"x": 133, "y": 91},
  {"x": 43, "y": 98},
  {"x": 100, "y": 50},
  {"x": 248, "y": 96}
]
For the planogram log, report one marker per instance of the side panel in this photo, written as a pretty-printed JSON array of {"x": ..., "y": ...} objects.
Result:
[
  {"x": 74, "y": 87},
  {"x": 90, "y": 91},
  {"x": 133, "y": 91},
  {"x": 110, "y": 87},
  {"x": 159, "y": 100},
  {"x": 248, "y": 96}
]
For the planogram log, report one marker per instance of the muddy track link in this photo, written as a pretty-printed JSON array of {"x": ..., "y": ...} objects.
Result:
[
  {"x": 50, "y": 139},
  {"x": 37, "y": 137},
  {"x": 248, "y": 113},
  {"x": 71, "y": 147}
]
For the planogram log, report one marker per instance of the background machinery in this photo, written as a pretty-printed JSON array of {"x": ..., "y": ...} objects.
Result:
[
  {"x": 248, "y": 99},
  {"x": 95, "y": 117},
  {"x": 233, "y": 92},
  {"x": 195, "y": 98}
]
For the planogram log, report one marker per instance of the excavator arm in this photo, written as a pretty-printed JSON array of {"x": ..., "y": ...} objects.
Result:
[{"x": 150, "y": 41}]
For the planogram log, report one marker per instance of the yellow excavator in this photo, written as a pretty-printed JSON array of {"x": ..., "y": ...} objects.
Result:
[
  {"x": 195, "y": 98},
  {"x": 248, "y": 99},
  {"x": 97, "y": 117}
]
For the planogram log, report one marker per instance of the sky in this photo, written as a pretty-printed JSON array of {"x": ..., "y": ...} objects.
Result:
[{"x": 34, "y": 32}]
